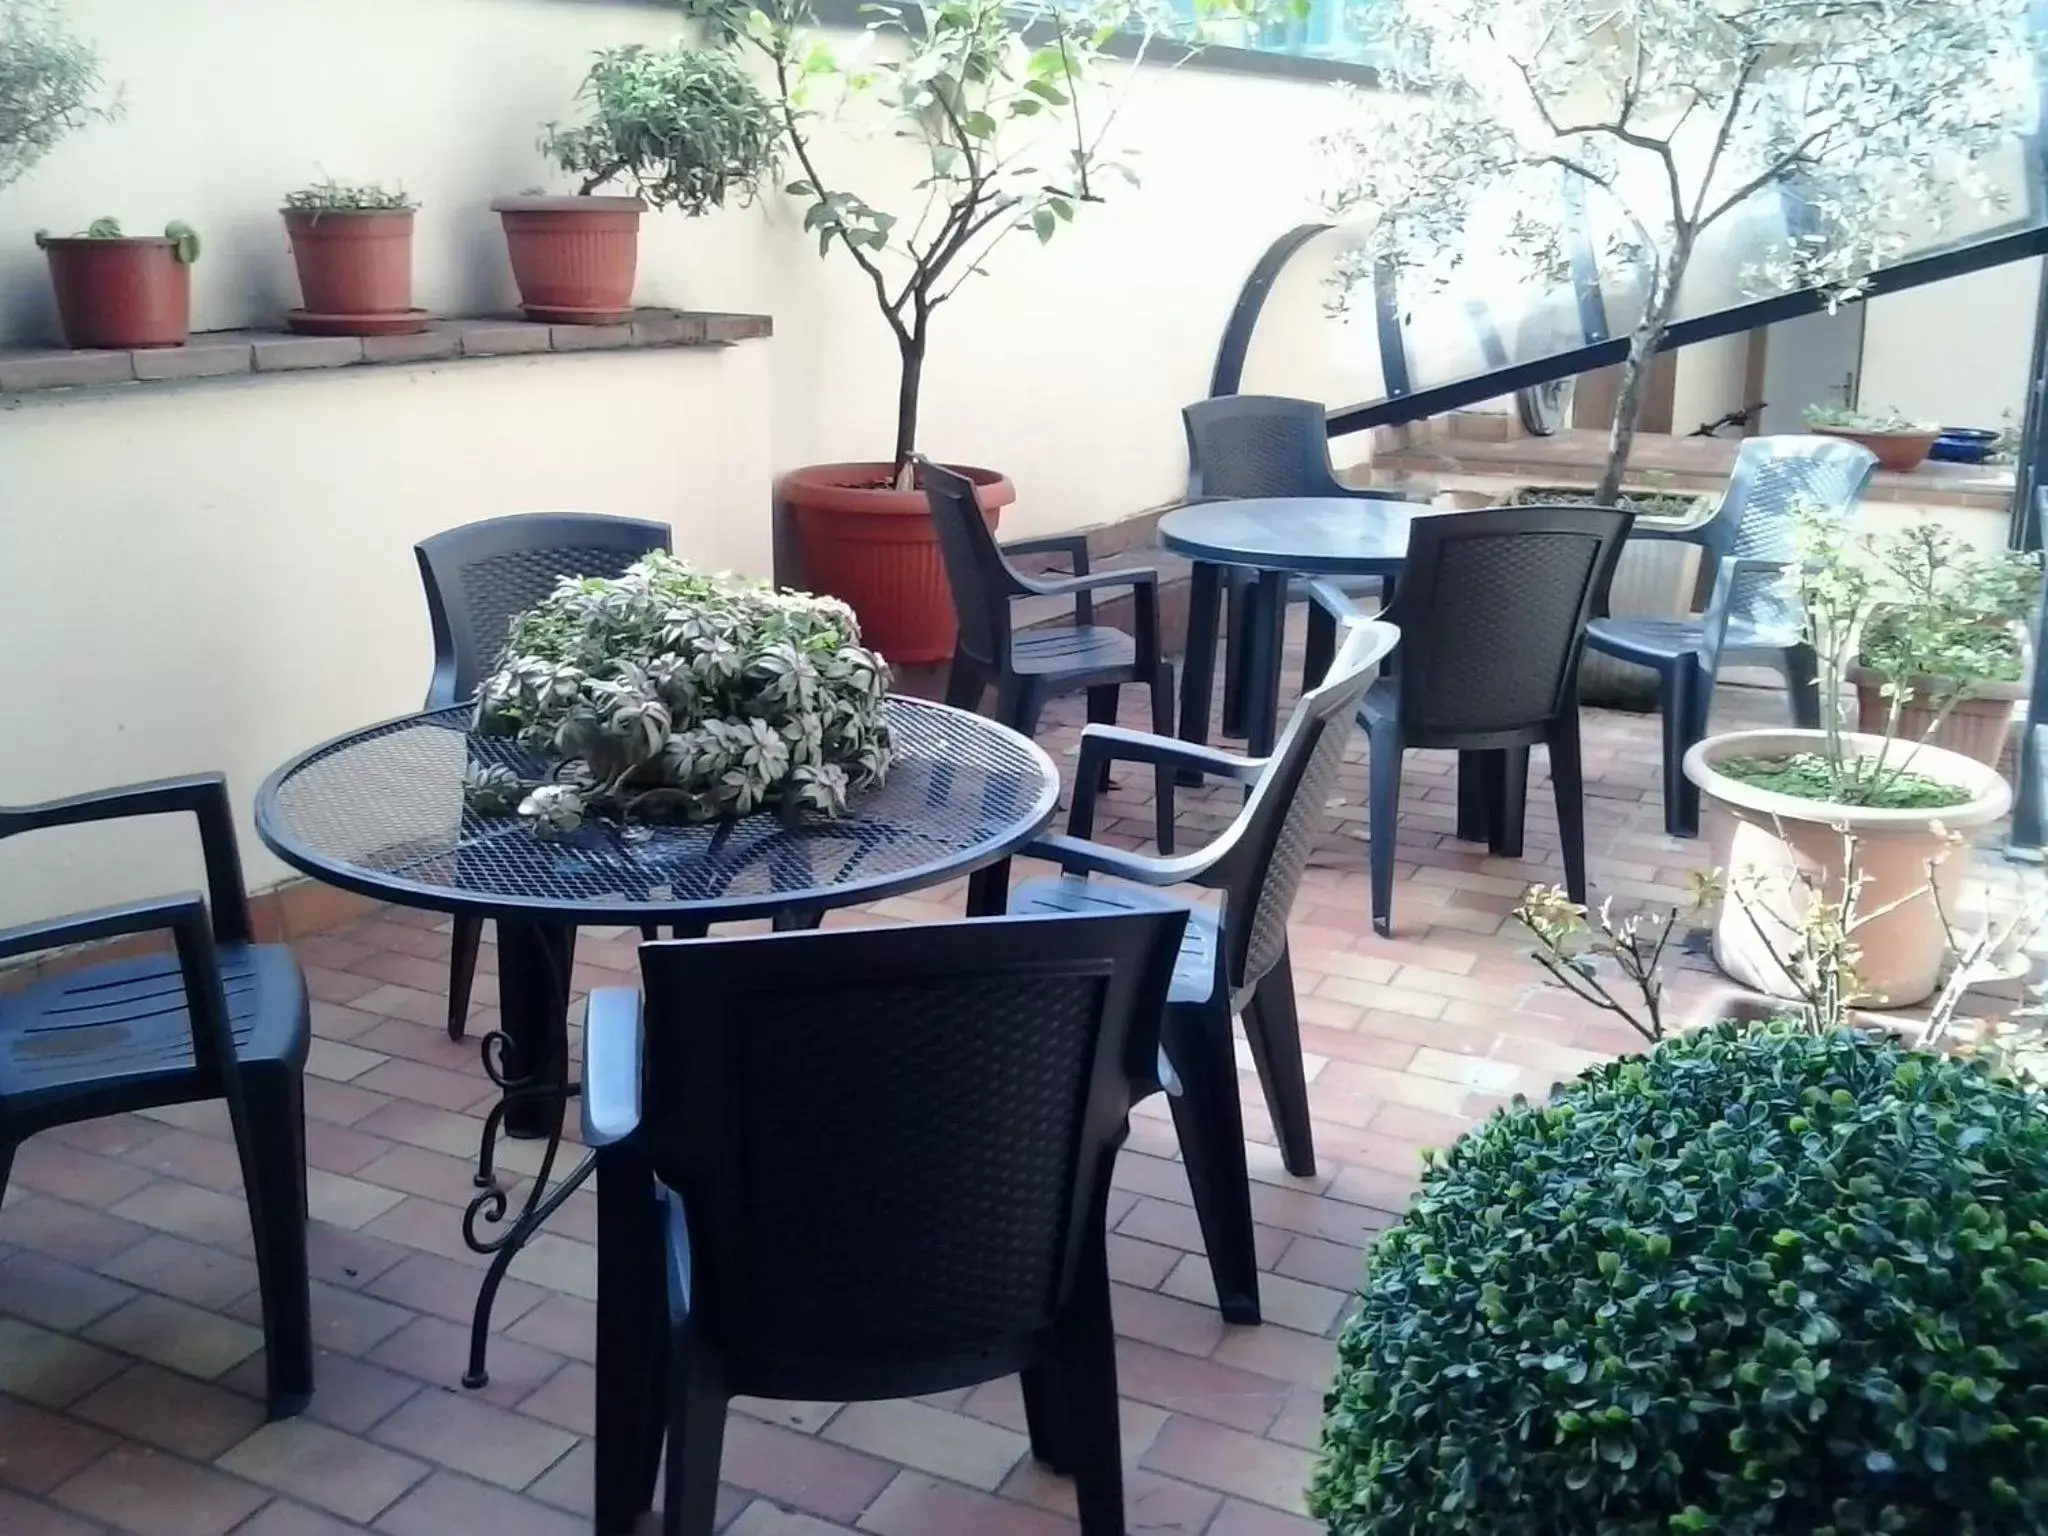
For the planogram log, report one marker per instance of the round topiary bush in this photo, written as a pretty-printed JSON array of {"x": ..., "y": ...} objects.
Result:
[{"x": 1756, "y": 1281}]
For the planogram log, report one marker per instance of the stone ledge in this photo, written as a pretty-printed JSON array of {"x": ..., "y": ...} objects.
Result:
[{"x": 226, "y": 354}]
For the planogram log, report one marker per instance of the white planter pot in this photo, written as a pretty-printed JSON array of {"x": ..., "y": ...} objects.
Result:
[{"x": 1765, "y": 840}]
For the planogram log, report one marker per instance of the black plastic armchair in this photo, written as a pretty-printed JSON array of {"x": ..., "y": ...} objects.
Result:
[
  {"x": 1234, "y": 963},
  {"x": 1752, "y": 615},
  {"x": 883, "y": 1161},
  {"x": 217, "y": 1017},
  {"x": 1027, "y": 669},
  {"x": 478, "y": 579},
  {"x": 1243, "y": 447},
  {"x": 1492, "y": 610}
]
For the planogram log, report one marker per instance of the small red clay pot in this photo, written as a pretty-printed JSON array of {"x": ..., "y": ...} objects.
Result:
[
  {"x": 1899, "y": 452},
  {"x": 353, "y": 263},
  {"x": 873, "y": 546},
  {"x": 128, "y": 292},
  {"x": 574, "y": 257}
]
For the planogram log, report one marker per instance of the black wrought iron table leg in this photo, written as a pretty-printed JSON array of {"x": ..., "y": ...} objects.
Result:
[
  {"x": 1198, "y": 669},
  {"x": 534, "y": 961},
  {"x": 490, "y": 1206}
]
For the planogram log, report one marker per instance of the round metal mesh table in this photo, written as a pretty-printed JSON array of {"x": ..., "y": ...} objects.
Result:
[{"x": 381, "y": 812}]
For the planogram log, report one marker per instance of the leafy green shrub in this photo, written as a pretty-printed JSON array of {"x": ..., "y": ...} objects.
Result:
[
  {"x": 345, "y": 197},
  {"x": 670, "y": 694},
  {"x": 1755, "y": 1281}
]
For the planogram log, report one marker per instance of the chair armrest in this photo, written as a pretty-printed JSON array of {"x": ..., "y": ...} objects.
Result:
[
  {"x": 1105, "y": 744},
  {"x": 1075, "y": 547},
  {"x": 203, "y": 796},
  {"x": 1093, "y": 581},
  {"x": 611, "y": 1066},
  {"x": 1144, "y": 584},
  {"x": 1689, "y": 534},
  {"x": 1077, "y": 856},
  {"x": 1336, "y": 602}
]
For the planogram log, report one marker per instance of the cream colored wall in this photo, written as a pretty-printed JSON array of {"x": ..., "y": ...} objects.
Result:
[
  {"x": 1954, "y": 352},
  {"x": 1066, "y": 368},
  {"x": 1708, "y": 381},
  {"x": 221, "y": 575}
]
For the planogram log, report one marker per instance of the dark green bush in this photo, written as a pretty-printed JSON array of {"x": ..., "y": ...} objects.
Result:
[{"x": 1756, "y": 1281}]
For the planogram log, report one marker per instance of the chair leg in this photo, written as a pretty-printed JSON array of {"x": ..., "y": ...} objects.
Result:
[
  {"x": 1681, "y": 800},
  {"x": 270, "y": 1139},
  {"x": 696, "y": 1441},
  {"x": 1476, "y": 798},
  {"x": 1019, "y": 703},
  {"x": 468, "y": 936},
  {"x": 1237, "y": 637},
  {"x": 1163, "y": 778},
  {"x": 6, "y": 1165},
  {"x": 1567, "y": 783},
  {"x": 1043, "y": 1415},
  {"x": 1102, "y": 704},
  {"x": 1205, "y": 594},
  {"x": 1802, "y": 681},
  {"x": 963, "y": 683},
  {"x": 1210, "y": 1123},
  {"x": 631, "y": 1389},
  {"x": 1510, "y": 773},
  {"x": 1273, "y": 1030},
  {"x": 1087, "y": 1378},
  {"x": 1321, "y": 647},
  {"x": 1384, "y": 818}
]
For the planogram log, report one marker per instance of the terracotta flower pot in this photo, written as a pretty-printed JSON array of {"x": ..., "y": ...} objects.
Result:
[
  {"x": 574, "y": 257},
  {"x": 355, "y": 270},
  {"x": 120, "y": 293},
  {"x": 1899, "y": 452},
  {"x": 1979, "y": 727},
  {"x": 874, "y": 546},
  {"x": 1764, "y": 840}
]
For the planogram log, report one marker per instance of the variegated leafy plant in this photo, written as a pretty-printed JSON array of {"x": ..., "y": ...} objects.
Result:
[{"x": 670, "y": 694}]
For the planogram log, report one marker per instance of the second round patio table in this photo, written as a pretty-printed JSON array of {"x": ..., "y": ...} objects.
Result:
[{"x": 382, "y": 812}]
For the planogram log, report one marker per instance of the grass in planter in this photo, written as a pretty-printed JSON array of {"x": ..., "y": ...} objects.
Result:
[
  {"x": 1668, "y": 504},
  {"x": 1806, "y": 776}
]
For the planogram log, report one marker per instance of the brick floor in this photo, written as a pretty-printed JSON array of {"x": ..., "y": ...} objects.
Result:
[{"x": 128, "y": 1391}]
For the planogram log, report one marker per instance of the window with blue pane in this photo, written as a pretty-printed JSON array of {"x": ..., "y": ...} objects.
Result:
[{"x": 1323, "y": 29}]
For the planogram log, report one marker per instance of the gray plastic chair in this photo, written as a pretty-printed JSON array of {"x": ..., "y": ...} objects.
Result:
[{"x": 1752, "y": 616}]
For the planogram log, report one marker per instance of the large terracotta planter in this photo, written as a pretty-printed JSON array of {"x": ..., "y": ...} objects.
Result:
[
  {"x": 1899, "y": 452},
  {"x": 355, "y": 271},
  {"x": 127, "y": 292},
  {"x": 1979, "y": 727},
  {"x": 873, "y": 546},
  {"x": 1763, "y": 840},
  {"x": 574, "y": 257}
]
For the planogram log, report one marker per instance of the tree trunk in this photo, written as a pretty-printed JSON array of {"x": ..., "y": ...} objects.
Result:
[
  {"x": 1635, "y": 375},
  {"x": 912, "y": 378}
]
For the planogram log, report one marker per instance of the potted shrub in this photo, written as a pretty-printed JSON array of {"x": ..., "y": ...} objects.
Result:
[
  {"x": 1948, "y": 653},
  {"x": 685, "y": 128},
  {"x": 1757, "y": 1279},
  {"x": 667, "y": 694},
  {"x": 1900, "y": 444},
  {"x": 48, "y": 79},
  {"x": 121, "y": 291},
  {"x": 353, "y": 249},
  {"x": 1787, "y": 806},
  {"x": 999, "y": 102}
]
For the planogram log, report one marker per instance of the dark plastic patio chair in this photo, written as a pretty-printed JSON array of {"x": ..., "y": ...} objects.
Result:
[
  {"x": 1252, "y": 446},
  {"x": 215, "y": 1017},
  {"x": 1752, "y": 616},
  {"x": 479, "y": 578},
  {"x": 1027, "y": 669},
  {"x": 1492, "y": 611},
  {"x": 883, "y": 1158},
  {"x": 1233, "y": 963}
]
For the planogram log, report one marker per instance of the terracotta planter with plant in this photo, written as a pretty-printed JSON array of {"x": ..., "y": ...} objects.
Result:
[
  {"x": 1901, "y": 445},
  {"x": 123, "y": 291},
  {"x": 353, "y": 250},
  {"x": 864, "y": 530},
  {"x": 686, "y": 128}
]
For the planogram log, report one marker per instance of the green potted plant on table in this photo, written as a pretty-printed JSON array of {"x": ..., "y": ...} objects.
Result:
[
  {"x": 1001, "y": 105},
  {"x": 120, "y": 291},
  {"x": 685, "y": 128},
  {"x": 1949, "y": 648},
  {"x": 352, "y": 246},
  {"x": 667, "y": 694},
  {"x": 1784, "y": 806},
  {"x": 1900, "y": 443}
]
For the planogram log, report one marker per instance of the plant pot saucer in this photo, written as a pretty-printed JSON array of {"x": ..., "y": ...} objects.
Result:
[
  {"x": 569, "y": 314},
  {"x": 402, "y": 322}
]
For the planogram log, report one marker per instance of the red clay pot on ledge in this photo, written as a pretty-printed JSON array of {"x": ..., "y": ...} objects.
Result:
[
  {"x": 874, "y": 547},
  {"x": 355, "y": 271},
  {"x": 125, "y": 292},
  {"x": 574, "y": 257}
]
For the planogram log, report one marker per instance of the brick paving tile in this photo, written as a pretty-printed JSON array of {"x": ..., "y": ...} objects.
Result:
[
  {"x": 281, "y": 1517},
  {"x": 195, "y": 1419},
  {"x": 916, "y": 1505},
  {"x": 24, "y": 1517},
  {"x": 181, "y": 1338},
  {"x": 567, "y": 1399},
  {"x": 188, "y": 1271},
  {"x": 461, "y": 1431},
  {"x": 147, "y": 1493},
  {"x": 948, "y": 1445},
  {"x": 1231, "y": 1462},
  {"x": 436, "y": 1353},
  {"x": 447, "y": 1503},
  {"x": 39, "y": 1450},
  {"x": 51, "y": 1369},
  {"x": 340, "y": 1473},
  {"x": 55, "y": 1294},
  {"x": 798, "y": 1470}
]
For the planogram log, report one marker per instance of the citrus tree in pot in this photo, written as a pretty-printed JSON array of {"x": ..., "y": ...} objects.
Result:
[
  {"x": 1797, "y": 815},
  {"x": 1007, "y": 122},
  {"x": 352, "y": 246},
  {"x": 684, "y": 128}
]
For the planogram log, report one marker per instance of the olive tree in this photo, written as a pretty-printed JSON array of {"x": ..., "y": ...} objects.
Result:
[
  {"x": 48, "y": 80},
  {"x": 1878, "y": 117}
]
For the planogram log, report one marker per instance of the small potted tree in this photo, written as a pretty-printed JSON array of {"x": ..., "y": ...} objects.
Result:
[
  {"x": 121, "y": 291},
  {"x": 685, "y": 128},
  {"x": 1901, "y": 445},
  {"x": 48, "y": 79},
  {"x": 1948, "y": 651},
  {"x": 353, "y": 248}
]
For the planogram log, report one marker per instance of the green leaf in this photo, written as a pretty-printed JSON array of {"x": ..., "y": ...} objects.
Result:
[
  {"x": 978, "y": 125},
  {"x": 1043, "y": 223}
]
